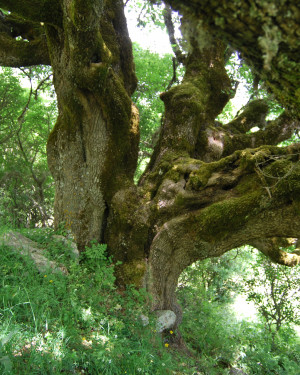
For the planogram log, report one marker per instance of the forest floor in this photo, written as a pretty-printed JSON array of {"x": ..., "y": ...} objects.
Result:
[{"x": 66, "y": 316}]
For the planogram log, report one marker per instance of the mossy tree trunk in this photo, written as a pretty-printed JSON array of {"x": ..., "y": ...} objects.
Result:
[
  {"x": 209, "y": 187},
  {"x": 92, "y": 150}
]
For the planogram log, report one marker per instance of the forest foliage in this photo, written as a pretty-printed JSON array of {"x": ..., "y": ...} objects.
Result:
[{"x": 27, "y": 117}]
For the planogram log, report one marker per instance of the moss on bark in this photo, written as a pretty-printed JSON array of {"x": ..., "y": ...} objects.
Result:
[{"x": 266, "y": 33}]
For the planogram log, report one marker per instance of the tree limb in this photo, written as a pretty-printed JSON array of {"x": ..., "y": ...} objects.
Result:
[
  {"x": 266, "y": 34},
  {"x": 167, "y": 13},
  {"x": 271, "y": 249},
  {"x": 253, "y": 114},
  {"x": 273, "y": 133},
  {"x": 16, "y": 53},
  {"x": 47, "y": 11}
]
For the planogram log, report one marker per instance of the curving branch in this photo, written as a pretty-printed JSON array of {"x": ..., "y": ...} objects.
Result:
[
  {"x": 270, "y": 248},
  {"x": 16, "y": 53},
  {"x": 253, "y": 114},
  {"x": 223, "y": 140},
  {"x": 274, "y": 132},
  {"x": 206, "y": 209},
  {"x": 47, "y": 11}
]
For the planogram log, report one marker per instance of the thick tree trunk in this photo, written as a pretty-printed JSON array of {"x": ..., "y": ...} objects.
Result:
[
  {"x": 191, "y": 203},
  {"x": 209, "y": 187},
  {"x": 92, "y": 150}
]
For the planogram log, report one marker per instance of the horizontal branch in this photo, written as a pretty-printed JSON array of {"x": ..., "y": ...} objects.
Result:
[
  {"x": 16, "y": 53},
  {"x": 15, "y": 26},
  {"x": 234, "y": 190},
  {"x": 274, "y": 132},
  {"x": 47, "y": 11},
  {"x": 211, "y": 231},
  {"x": 270, "y": 248},
  {"x": 253, "y": 114}
]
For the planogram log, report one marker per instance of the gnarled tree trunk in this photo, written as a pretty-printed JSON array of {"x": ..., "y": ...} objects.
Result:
[
  {"x": 209, "y": 187},
  {"x": 92, "y": 150}
]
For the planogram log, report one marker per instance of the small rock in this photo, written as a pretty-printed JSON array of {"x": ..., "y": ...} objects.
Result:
[
  {"x": 165, "y": 319},
  {"x": 144, "y": 319},
  {"x": 236, "y": 371}
]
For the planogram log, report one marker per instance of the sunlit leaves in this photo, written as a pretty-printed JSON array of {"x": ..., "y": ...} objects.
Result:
[
  {"x": 149, "y": 13},
  {"x": 27, "y": 117},
  {"x": 154, "y": 73},
  {"x": 275, "y": 290}
]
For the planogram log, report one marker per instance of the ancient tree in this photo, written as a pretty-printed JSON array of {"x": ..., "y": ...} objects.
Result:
[{"x": 209, "y": 187}]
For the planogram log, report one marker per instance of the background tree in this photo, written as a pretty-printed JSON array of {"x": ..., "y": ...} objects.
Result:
[
  {"x": 154, "y": 74},
  {"x": 275, "y": 290},
  {"x": 209, "y": 187},
  {"x": 26, "y": 120}
]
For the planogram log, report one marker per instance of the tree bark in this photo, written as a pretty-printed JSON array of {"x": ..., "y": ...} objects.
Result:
[
  {"x": 92, "y": 150},
  {"x": 208, "y": 188},
  {"x": 266, "y": 33}
]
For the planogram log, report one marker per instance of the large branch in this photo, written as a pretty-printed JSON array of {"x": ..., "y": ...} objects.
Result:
[
  {"x": 16, "y": 53},
  {"x": 271, "y": 249},
  {"x": 266, "y": 33},
  {"x": 222, "y": 140},
  {"x": 189, "y": 183},
  {"x": 47, "y": 11},
  {"x": 271, "y": 133},
  {"x": 205, "y": 209},
  {"x": 253, "y": 114}
]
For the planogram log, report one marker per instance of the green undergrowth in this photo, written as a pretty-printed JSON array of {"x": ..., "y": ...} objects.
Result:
[
  {"x": 222, "y": 341},
  {"x": 79, "y": 323},
  {"x": 211, "y": 328}
]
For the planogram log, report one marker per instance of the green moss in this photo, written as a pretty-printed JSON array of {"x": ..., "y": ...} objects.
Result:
[
  {"x": 81, "y": 12},
  {"x": 251, "y": 158},
  {"x": 247, "y": 183},
  {"x": 133, "y": 273},
  {"x": 287, "y": 185},
  {"x": 216, "y": 219},
  {"x": 199, "y": 179},
  {"x": 173, "y": 175},
  {"x": 278, "y": 168}
]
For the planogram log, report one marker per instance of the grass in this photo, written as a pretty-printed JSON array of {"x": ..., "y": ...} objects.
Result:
[
  {"x": 75, "y": 324},
  {"x": 81, "y": 324}
]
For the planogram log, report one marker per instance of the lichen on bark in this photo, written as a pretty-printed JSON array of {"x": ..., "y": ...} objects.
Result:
[{"x": 265, "y": 33}]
